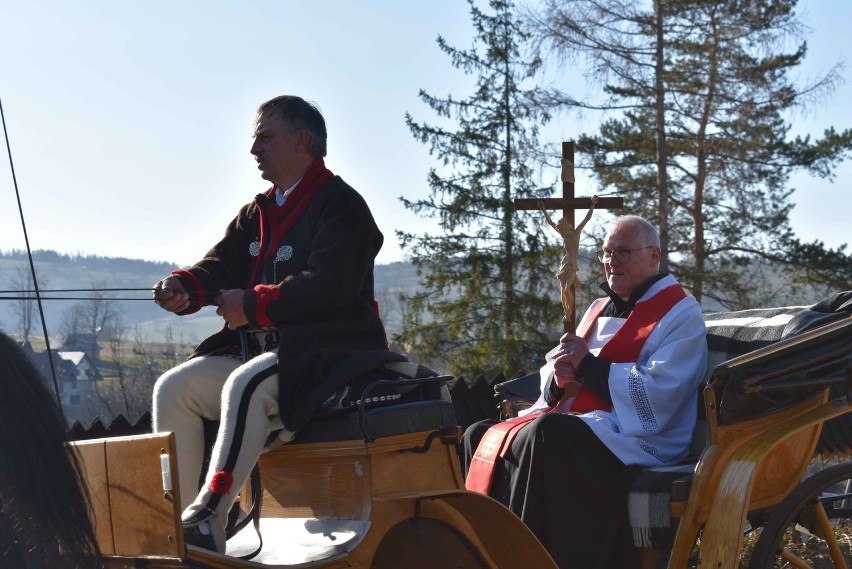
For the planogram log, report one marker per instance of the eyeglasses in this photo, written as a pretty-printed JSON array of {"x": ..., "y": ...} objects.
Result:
[{"x": 620, "y": 255}]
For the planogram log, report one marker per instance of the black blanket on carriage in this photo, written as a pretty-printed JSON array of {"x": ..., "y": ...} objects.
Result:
[{"x": 756, "y": 385}]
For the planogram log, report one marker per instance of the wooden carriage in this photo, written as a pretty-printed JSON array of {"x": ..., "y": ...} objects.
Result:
[
  {"x": 381, "y": 487},
  {"x": 765, "y": 411},
  {"x": 375, "y": 487}
]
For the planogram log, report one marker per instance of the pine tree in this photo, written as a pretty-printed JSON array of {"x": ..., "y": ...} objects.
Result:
[
  {"x": 490, "y": 300},
  {"x": 725, "y": 71}
]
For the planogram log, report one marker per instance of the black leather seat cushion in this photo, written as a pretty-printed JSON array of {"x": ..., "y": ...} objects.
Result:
[{"x": 380, "y": 422}]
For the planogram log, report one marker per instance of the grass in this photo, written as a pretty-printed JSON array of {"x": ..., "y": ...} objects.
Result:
[{"x": 812, "y": 550}]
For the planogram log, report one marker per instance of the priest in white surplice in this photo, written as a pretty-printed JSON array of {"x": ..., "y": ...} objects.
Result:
[{"x": 639, "y": 356}]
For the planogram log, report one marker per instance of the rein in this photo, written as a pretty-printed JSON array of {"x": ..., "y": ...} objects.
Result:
[{"x": 32, "y": 294}]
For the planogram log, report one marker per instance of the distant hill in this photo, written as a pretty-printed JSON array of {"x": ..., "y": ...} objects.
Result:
[{"x": 59, "y": 271}]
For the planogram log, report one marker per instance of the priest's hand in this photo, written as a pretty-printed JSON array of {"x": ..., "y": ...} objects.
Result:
[
  {"x": 573, "y": 347},
  {"x": 565, "y": 376},
  {"x": 563, "y": 372}
]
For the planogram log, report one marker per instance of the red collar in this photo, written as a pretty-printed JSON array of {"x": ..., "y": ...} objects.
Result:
[{"x": 290, "y": 211}]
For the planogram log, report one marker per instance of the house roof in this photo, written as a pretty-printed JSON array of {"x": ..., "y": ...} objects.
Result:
[
  {"x": 65, "y": 362},
  {"x": 77, "y": 342},
  {"x": 73, "y": 357}
]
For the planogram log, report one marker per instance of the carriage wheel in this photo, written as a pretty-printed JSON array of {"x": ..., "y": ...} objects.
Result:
[{"x": 806, "y": 529}]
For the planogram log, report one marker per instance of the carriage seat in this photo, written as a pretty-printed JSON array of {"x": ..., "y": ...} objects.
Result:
[
  {"x": 384, "y": 421},
  {"x": 398, "y": 398}
]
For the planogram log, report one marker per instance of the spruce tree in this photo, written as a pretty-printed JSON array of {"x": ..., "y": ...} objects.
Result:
[
  {"x": 490, "y": 299},
  {"x": 723, "y": 109}
]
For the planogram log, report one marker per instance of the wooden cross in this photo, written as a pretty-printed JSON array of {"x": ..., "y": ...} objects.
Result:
[{"x": 569, "y": 204}]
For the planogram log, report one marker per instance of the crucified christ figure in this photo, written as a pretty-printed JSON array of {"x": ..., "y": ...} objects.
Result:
[{"x": 567, "y": 273}]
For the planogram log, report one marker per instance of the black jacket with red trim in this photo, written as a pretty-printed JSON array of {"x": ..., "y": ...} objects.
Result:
[{"x": 316, "y": 287}]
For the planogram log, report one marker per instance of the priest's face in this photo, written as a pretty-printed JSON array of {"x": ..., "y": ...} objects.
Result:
[{"x": 630, "y": 260}]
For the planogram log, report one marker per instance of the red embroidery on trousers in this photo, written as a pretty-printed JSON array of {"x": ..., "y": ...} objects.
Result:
[{"x": 222, "y": 482}]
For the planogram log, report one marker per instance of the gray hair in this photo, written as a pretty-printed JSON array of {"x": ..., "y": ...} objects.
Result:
[
  {"x": 297, "y": 114},
  {"x": 647, "y": 232}
]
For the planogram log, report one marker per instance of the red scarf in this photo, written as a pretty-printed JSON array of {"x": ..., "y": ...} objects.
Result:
[
  {"x": 627, "y": 342},
  {"x": 290, "y": 211}
]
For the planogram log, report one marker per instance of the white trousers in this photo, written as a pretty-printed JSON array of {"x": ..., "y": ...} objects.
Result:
[{"x": 243, "y": 397}]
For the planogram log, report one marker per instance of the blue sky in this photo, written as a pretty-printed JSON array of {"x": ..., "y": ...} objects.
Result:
[{"x": 130, "y": 121}]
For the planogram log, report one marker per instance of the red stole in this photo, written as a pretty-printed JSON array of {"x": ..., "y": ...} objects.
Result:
[
  {"x": 289, "y": 213},
  {"x": 624, "y": 346}
]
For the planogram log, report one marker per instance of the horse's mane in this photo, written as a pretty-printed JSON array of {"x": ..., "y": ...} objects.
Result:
[{"x": 44, "y": 507}]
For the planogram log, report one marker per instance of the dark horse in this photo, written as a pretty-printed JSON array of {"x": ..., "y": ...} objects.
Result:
[{"x": 44, "y": 507}]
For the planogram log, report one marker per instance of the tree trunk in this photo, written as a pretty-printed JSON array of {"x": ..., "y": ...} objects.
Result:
[
  {"x": 660, "y": 127},
  {"x": 508, "y": 228},
  {"x": 701, "y": 174}
]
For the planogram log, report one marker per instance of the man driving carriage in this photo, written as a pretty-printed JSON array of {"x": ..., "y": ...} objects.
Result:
[
  {"x": 638, "y": 357},
  {"x": 293, "y": 280}
]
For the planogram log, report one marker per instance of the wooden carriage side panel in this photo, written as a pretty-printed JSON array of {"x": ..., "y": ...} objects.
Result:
[
  {"x": 404, "y": 535},
  {"x": 797, "y": 449},
  {"x": 92, "y": 456},
  {"x": 782, "y": 469},
  {"x": 135, "y": 516},
  {"x": 723, "y": 535},
  {"x": 148, "y": 563},
  {"x": 498, "y": 537},
  {"x": 146, "y": 519},
  {"x": 339, "y": 479},
  {"x": 728, "y": 475},
  {"x": 398, "y": 470},
  {"x": 496, "y": 532},
  {"x": 322, "y": 480},
  {"x": 210, "y": 560}
]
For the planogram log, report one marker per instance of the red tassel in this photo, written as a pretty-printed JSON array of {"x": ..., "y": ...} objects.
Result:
[{"x": 222, "y": 482}]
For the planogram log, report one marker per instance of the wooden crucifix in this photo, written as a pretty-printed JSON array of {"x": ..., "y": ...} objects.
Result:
[{"x": 568, "y": 204}]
